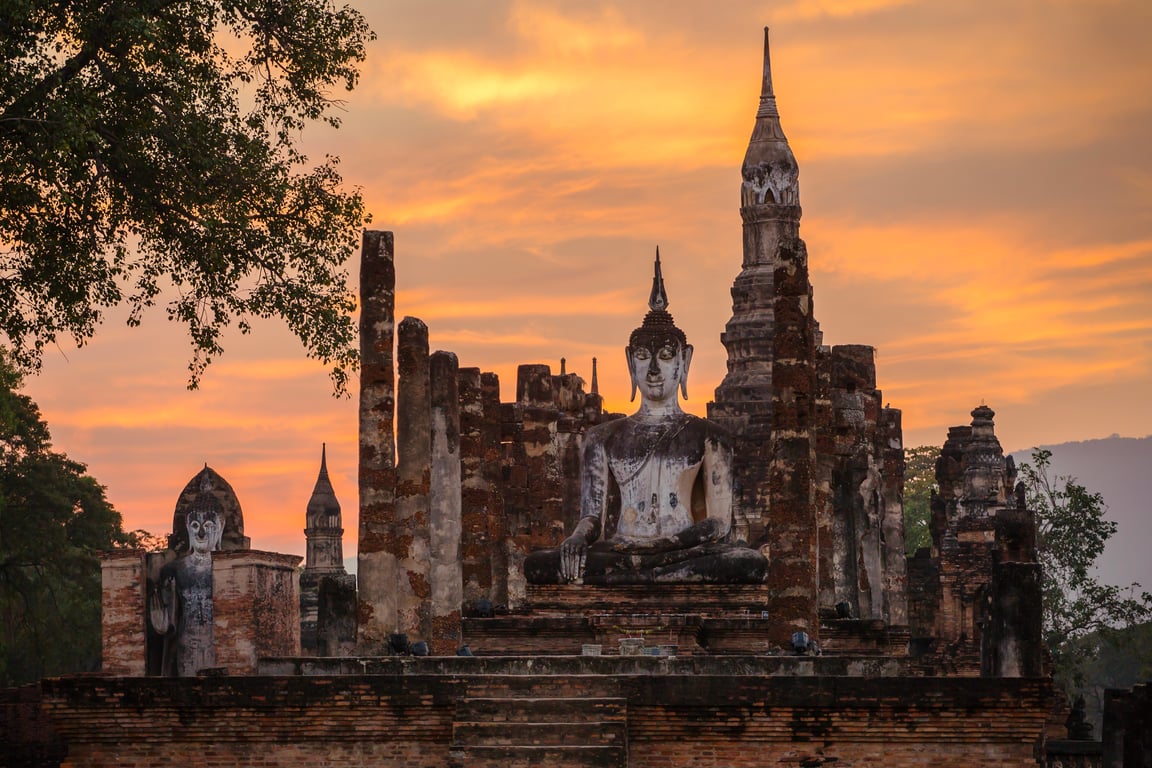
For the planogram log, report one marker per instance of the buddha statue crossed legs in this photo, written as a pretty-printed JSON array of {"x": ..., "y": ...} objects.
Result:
[{"x": 672, "y": 474}]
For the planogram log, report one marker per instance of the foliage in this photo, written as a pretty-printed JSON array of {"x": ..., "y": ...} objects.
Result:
[
  {"x": 1115, "y": 658},
  {"x": 149, "y": 149},
  {"x": 53, "y": 518},
  {"x": 919, "y": 482},
  {"x": 1072, "y": 533}
]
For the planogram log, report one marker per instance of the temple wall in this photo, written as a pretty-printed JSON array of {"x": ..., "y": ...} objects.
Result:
[
  {"x": 256, "y": 608},
  {"x": 123, "y": 640},
  {"x": 407, "y": 719}
]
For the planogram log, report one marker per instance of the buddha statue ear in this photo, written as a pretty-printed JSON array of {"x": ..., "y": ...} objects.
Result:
[
  {"x": 219, "y": 535},
  {"x": 687, "y": 353},
  {"x": 631, "y": 372}
]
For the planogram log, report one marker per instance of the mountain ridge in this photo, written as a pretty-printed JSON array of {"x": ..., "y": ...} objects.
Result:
[{"x": 1120, "y": 470}]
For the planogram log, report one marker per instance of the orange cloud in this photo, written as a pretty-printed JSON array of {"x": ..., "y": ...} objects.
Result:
[{"x": 974, "y": 185}]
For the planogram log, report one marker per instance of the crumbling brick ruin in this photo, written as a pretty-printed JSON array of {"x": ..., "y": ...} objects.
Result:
[{"x": 976, "y": 590}]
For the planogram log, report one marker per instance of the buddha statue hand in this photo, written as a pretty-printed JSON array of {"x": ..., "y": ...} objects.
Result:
[
  {"x": 574, "y": 550},
  {"x": 573, "y": 556}
]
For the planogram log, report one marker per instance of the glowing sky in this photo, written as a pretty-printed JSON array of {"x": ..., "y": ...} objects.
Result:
[{"x": 976, "y": 180}]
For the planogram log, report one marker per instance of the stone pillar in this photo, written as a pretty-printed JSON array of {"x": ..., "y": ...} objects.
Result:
[
  {"x": 475, "y": 491},
  {"x": 445, "y": 520},
  {"x": 1014, "y": 641},
  {"x": 336, "y": 615},
  {"x": 123, "y": 642},
  {"x": 377, "y": 572},
  {"x": 823, "y": 498},
  {"x": 793, "y": 571},
  {"x": 498, "y": 529},
  {"x": 413, "y": 480},
  {"x": 895, "y": 561}
]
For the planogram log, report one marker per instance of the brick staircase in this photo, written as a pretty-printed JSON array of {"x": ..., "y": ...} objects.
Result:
[{"x": 539, "y": 729}]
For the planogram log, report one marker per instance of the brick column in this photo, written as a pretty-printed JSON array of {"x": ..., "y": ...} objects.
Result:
[
  {"x": 491, "y": 434},
  {"x": 445, "y": 522},
  {"x": 895, "y": 562},
  {"x": 123, "y": 641},
  {"x": 475, "y": 544},
  {"x": 375, "y": 557},
  {"x": 793, "y": 572},
  {"x": 413, "y": 480},
  {"x": 255, "y": 606}
]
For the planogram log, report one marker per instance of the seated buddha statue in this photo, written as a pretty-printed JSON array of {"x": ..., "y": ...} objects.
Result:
[{"x": 672, "y": 474}]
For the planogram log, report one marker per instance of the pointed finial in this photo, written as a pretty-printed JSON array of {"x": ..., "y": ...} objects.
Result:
[
  {"x": 658, "y": 300},
  {"x": 595, "y": 384},
  {"x": 324, "y": 457},
  {"x": 767, "y": 96}
]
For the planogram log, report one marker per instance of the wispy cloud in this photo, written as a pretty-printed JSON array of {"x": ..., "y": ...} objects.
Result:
[{"x": 975, "y": 188}]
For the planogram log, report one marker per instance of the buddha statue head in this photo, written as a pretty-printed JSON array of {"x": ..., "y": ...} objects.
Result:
[
  {"x": 658, "y": 352},
  {"x": 205, "y": 521}
]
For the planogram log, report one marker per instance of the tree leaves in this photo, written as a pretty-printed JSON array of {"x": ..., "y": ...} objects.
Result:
[
  {"x": 148, "y": 154},
  {"x": 54, "y": 518},
  {"x": 1073, "y": 532},
  {"x": 919, "y": 482}
]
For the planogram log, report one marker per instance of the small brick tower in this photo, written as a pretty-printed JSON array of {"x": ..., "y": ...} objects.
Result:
[{"x": 324, "y": 533}]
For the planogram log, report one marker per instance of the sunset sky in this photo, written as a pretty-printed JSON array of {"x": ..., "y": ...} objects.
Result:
[{"x": 976, "y": 181}]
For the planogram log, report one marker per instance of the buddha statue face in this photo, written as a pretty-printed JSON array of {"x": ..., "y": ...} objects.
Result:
[
  {"x": 658, "y": 364},
  {"x": 204, "y": 530}
]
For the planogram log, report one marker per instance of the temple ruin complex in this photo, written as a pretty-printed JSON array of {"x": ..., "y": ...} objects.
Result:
[{"x": 442, "y": 652}]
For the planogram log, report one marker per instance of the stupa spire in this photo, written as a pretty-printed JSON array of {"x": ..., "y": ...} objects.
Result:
[
  {"x": 767, "y": 96},
  {"x": 770, "y": 171},
  {"x": 658, "y": 299},
  {"x": 595, "y": 384},
  {"x": 323, "y": 506}
]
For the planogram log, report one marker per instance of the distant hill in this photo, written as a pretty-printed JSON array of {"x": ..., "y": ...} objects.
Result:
[{"x": 1120, "y": 470}]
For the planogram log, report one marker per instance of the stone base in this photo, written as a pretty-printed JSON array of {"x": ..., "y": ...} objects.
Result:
[
  {"x": 862, "y": 637},
  {"x": 701, "y": 619},
  {"x": 704, "y": 600}
]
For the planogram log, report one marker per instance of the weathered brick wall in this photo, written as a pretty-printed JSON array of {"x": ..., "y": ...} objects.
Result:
[
  {"x": 841, "y": 721},
  {"x": 541, "y": 436},
  {"x": 27, "y": 739},
  {"x": 123, "y": 639},
  {"x": 256, "y": 608},
  {"x": 702, "y": 719},
  {"x": 288, "y": 722}
]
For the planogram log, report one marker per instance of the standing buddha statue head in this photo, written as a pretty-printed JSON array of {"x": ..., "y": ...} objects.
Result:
[{"x": 205, "y": 520}]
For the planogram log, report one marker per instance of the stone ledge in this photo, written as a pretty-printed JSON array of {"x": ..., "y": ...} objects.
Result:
[{"x": 700, "y": 599}]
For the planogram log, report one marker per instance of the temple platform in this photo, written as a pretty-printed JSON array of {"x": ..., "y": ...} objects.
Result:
[
  {"x": 676, "y": 619},
  {"x": 638, "y": 711}
]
